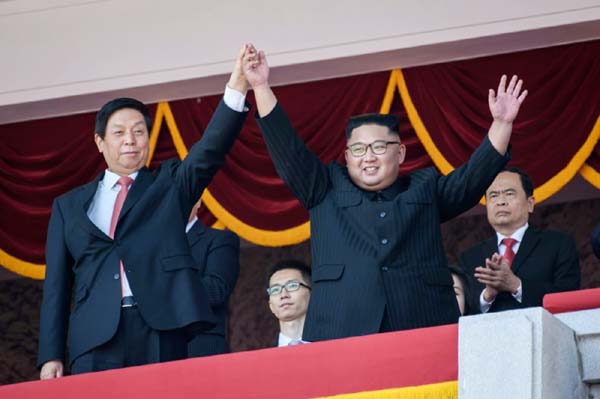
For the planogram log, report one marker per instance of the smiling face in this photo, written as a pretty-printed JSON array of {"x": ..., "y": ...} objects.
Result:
[
  {"x": 125, "y": 143},
  {"x": 374, "y": 172},
  {"x": 508, "y": 207},
  {"x": 288, "y": 306}
]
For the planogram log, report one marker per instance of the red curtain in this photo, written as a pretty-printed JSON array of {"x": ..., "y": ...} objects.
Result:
[
  {"x": 556, "y": 120},
  {"x": 444, "y": 114}
]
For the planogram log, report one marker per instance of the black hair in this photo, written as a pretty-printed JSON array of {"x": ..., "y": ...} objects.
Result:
[
  {"x": 389, "y": 121},
  {"x": 302, "y": 267},
  {"x": 525, "y": 179},
  {"x": 115, "y": 105},
  {"x": 468, "y": 282}
]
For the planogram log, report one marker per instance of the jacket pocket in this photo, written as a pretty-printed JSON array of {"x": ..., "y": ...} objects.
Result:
[
  {"x": 327, "y": 273},
  {"x": 178, "y": 262}
]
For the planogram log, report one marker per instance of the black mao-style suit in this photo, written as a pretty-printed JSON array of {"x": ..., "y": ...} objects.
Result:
[
  {"x": 546, "y": 262},
  {"x": 376, "y": 259},
  {"x": 217, "y": 255},
  {"x": 83, "y": 262}
]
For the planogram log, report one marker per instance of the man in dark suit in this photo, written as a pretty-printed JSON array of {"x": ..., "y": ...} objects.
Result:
[
  {"x": 217, "y": 255},
  {"x": 117, "y": 246},
  {"x": 289, "y": 295},
  {"x": 520, "y": 264},
  {"x": 378, "y": 259}
]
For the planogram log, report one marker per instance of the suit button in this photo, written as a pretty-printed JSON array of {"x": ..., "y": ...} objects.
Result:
[
  {"x": 382, "y": 214},
  {"x": 384, "y": 241},
  {"x": 384, "y": 268},
  {"x": 116, "y": 276}
]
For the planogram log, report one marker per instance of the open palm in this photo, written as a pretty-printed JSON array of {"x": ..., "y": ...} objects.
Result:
[{"x": 505, "y": 104}]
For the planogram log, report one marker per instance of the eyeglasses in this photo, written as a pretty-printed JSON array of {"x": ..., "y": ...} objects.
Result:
[
  {"x": 290, "y": 286},
  {"x": 378, "y": 147}
]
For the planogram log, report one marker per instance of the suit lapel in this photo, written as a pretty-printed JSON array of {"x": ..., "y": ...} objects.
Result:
[
  {"x": 196, "y": 233},
  {"x": 138, "y": 188},
  {"x": 86, "y": 196},
  {"x": 489, "y": 247},
  {"x": 530, "y": 241}
]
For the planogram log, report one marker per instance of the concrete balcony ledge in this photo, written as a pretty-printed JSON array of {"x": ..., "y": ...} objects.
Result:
[{"x": 529, "y": 353}]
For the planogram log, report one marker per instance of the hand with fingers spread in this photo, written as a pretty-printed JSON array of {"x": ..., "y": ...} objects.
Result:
[
  {"x": 497, "y": 277},
  {"x": 504, "y": 105}
]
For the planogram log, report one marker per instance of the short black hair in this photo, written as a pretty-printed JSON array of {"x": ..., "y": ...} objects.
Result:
[
  {"x": 302, "y": 267},
  {"x": 468, "y": 282},
  {"x": 113, "y": 106},
  {"x": 387, "y": 120},
  {"x": 525, "y": 179}
]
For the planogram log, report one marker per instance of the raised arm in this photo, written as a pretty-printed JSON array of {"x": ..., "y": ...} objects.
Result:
[
  {"x": 462, "y": 188},
  {"x": 297, "y": 166},
  {"x": 208, "y": 155}
]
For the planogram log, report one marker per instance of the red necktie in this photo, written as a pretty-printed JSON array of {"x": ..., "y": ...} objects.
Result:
[
  {"x": 509, "y": 254},
  {"x": 124, "y": 182}
]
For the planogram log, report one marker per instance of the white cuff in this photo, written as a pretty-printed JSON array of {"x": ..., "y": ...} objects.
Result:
[
  {"x": 519, "y": 294},
  {"x": 484, "y": 305},
  {"x": 234, "y": 99}
]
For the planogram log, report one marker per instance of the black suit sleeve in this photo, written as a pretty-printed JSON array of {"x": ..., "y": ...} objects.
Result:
[
  {"x": 222, "y": 268},
  {"x": 297, "y": 166},
  {"x": 208, "y": 155},
  {"x": 54, "y": 314},
  {"x": 566, "y": 274},
  {"x": 462, "y": 188},
  {"x": 596, "y": 241}
]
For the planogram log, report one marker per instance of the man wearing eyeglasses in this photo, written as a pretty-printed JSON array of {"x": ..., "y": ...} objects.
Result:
[
  {"x": 378, "y": 259},
  {"x": 289, "y": 294}
]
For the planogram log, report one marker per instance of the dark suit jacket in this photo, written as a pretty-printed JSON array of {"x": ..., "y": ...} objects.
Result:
[
  {"x": 356, "y": 274},
  {"x": 596, "y": 241},
  {"x": 217, "y": 255},
  {"x": 83, "y": 262},
  {"x": 546, "y": 262}
]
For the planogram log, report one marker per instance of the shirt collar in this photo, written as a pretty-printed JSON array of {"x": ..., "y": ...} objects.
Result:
[
  {"x": 110, "y": 178},
  {"x": 517, "y": 235},
  {"x": 389, "y": 193},
  {"x": 191, "y": 224},
  {"x": 283, "y": 340}
]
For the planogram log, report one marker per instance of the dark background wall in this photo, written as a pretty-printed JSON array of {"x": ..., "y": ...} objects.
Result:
[{"x": 251, "y": 326}]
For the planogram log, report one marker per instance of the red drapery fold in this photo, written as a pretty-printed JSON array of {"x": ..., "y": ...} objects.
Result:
[{"x": 444, "y": 114}]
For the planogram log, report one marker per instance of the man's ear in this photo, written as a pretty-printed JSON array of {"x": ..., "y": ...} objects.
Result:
[
  {"x": 530, "y": 204},
  {"x": 402, "y": 153},
  {"x": 99, "y": 142}
]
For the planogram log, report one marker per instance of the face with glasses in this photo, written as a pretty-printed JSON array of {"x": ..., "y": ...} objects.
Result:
[
  {"x": 373, "y": 157},
  {"x": 289, "y": 294}
]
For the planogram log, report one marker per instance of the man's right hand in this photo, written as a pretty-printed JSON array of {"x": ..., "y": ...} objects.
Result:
[
  {"x": 256, "y": 71},
  {"x": 52, "y": 369},
  {"x": 256, "y": 68}
]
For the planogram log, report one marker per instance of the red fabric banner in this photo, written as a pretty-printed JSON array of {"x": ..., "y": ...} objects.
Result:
[{"x": 373, "y": 362}]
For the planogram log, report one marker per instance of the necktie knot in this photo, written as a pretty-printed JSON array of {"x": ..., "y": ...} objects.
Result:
[
  {"x": 509, "y": 242},
  {"x": 509, "y": 253},
  {"x": 124, "y": 181}
]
